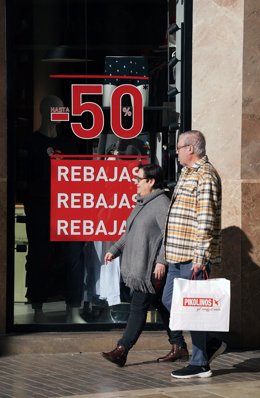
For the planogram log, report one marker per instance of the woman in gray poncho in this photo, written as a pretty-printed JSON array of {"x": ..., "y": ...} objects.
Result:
[{"x": 143, "y": 266}]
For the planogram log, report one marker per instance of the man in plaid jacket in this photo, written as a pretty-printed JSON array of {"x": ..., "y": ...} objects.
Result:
[{"x": 193, "y": 238}]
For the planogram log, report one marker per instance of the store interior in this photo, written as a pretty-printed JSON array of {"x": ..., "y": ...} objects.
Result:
[{"x": 50, "y": 38}]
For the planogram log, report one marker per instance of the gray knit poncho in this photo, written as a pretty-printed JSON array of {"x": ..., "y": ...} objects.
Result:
[{"x": 141, "y": 245}]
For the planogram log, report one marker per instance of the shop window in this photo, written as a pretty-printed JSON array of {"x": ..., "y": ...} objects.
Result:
[{"x": 53, "y": 44}]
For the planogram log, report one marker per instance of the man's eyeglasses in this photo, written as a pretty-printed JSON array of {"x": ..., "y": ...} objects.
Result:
[
  {"x": 183, "y": 146},
  {"x": 138, "y": 179}
]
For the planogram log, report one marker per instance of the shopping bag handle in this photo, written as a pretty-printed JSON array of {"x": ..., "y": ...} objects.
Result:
[{"x": 205, "y": 275}]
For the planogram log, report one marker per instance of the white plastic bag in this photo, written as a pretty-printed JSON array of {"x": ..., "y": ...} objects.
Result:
[{"x": 202, "y": 305}]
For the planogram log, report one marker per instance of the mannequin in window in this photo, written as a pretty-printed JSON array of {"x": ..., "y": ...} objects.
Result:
[{"x": 45, "y": 259}]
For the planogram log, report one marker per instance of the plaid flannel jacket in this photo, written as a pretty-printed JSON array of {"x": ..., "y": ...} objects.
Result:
[{"x": 193, "y": 226}]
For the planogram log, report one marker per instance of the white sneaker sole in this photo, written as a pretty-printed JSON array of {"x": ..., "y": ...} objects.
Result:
[
  {"x": 201, "y": 375},
  {"x": 220, "y": 351}
]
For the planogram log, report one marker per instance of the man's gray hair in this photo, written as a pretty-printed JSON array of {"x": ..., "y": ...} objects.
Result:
[{"x": 197, "y": 140}]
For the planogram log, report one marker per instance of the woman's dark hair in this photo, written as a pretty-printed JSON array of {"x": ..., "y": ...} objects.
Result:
[{"x": 153, "y": 171}]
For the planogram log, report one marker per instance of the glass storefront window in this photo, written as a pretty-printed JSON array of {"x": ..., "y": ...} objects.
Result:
[{"x": 53, "y": 45}]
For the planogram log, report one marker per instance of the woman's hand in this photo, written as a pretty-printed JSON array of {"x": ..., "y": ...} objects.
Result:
[
  {"x": 159, "y": 271},
  {"x": 108, "y": 257}
]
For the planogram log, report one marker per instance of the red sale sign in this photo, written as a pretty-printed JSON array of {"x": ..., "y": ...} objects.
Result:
[
  {"x": 79, "y": 107},
  {"x": 91, "y": 199}
]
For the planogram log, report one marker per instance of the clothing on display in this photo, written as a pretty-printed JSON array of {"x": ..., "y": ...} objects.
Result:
[
  {"x": 45, "y": 258},
  {"x": 125, "y": 66},
  {"x": 110, "y": 144},
  {"x": 102, "y": 280}
]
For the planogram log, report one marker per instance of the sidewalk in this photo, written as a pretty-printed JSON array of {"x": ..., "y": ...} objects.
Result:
[{"x": 85, "y": 375}]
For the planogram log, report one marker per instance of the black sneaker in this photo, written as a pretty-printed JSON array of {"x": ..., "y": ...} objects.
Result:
[
  {"x": 215, "y": 348},
  {"x": 192, "y": 371}
]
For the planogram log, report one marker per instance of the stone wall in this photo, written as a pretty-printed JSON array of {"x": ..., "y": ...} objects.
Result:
[{"x": 226, "y": 107}]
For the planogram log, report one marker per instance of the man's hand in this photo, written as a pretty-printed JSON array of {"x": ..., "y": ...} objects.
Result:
[
  {"x": 108, "y": 257},
  {"x": 198, "y": 267},
  {"x": 159, "y": 271}
]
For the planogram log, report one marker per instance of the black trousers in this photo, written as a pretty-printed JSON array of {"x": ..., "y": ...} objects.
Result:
[
  {"x": 140, "y": 304},
  {"x": 47, "y": 262},
  {"x": 74, "y": 266},
  {"x": 44, "y": 257}
]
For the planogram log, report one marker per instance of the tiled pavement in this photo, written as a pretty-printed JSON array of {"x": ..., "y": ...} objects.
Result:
[{"x": 85, "y": 375}]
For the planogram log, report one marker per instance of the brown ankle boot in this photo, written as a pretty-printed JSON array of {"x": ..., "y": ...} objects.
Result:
[
  {"x": 117, "y": 356},
  {"x": 176, "y": 353}
]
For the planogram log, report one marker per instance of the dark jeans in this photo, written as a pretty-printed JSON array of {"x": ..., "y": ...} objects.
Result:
[
  {"x": 199, "y": 339},
  {"x": 140, "y": 305}
]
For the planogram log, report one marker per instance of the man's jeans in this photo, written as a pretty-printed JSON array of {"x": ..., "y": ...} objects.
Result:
[{"x": 183, "y": 270}]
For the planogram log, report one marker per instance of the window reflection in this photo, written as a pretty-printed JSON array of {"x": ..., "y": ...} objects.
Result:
[{"x": 56, "y": 282}]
